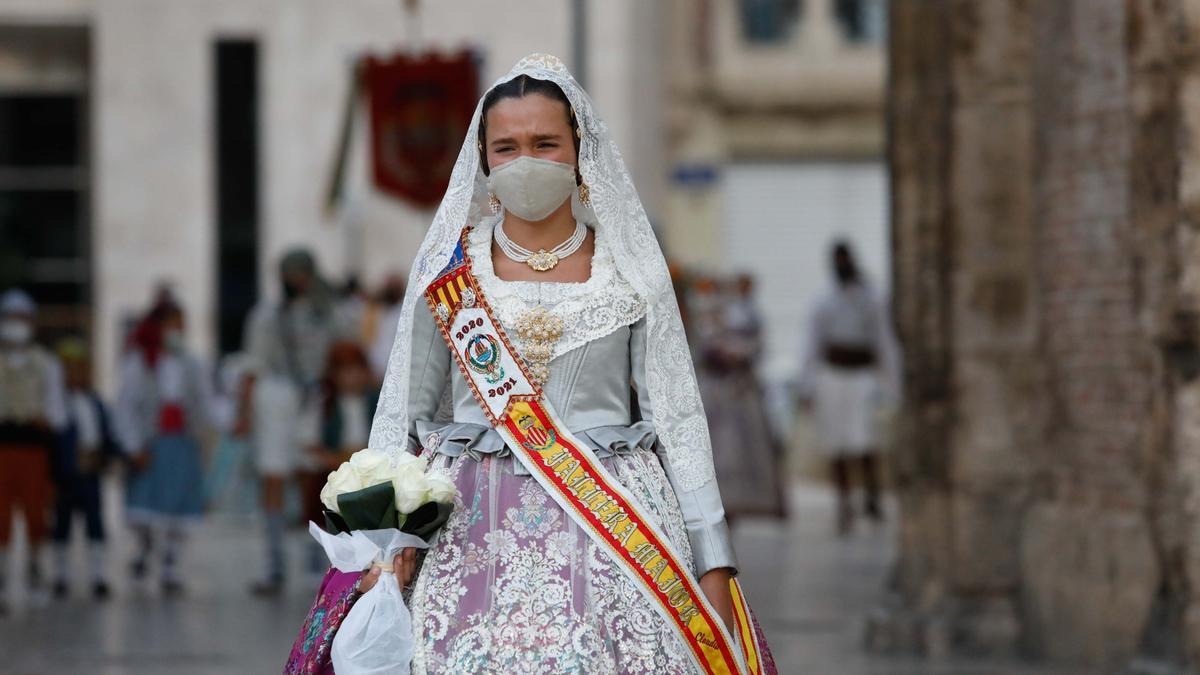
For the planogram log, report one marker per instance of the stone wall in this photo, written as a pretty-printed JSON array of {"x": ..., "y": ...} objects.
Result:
[{"x": 1045, "y": 193}]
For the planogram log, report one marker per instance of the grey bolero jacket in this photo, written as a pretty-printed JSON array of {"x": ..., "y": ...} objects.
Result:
[{"x": 592, "y": 388}]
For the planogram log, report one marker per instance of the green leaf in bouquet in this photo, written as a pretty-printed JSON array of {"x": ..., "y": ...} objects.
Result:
[
  {"x": 334, "y": 523},
  {"x": 427, "y": 519},
  {"x": 371, "y": 508}
]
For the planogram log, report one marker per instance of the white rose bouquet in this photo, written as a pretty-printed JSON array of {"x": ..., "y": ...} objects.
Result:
[
  {"x": 374, "y": 507},
  {"x": 373, "y": 492}
]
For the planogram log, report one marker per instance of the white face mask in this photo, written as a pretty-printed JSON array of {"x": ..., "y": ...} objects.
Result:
[
  {"x": 532, "y": 188},
  {"x": 16, "y": 331}
]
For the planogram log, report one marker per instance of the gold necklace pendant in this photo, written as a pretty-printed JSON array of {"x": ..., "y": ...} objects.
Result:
[
  {"x": 542, "y": 261},
  {"x": 539, "y": 330}
]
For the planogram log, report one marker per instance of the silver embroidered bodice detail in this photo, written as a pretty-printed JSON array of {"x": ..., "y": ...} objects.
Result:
[{"x": 589, "y": 309}]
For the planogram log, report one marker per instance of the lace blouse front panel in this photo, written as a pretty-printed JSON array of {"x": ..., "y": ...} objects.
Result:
[{"x": 589, "y": 309}]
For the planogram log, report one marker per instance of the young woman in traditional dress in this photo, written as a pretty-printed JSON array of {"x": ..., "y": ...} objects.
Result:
[{"x": 542, "y": 272}]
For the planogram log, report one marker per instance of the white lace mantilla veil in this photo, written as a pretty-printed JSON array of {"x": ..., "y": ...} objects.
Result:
[{"x": 678, "y": 412}]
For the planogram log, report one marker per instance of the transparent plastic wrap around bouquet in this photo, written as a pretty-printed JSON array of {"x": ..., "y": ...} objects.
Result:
[{"x": 375, "y": 507}]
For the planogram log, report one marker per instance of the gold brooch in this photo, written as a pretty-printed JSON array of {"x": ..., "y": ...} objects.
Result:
[
  {"x": 539, "y": 330},
  {"x": 543, "y": 260}
]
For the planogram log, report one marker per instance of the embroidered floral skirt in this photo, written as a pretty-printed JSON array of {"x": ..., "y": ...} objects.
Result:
[{"x": 514, "y": 586}]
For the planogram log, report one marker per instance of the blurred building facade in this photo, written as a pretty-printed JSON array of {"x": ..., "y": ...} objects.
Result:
[
  {"x": 774, "y": 137},
  {"x": 1046, "y": 181},
  {"x": 192, "y": 141}
]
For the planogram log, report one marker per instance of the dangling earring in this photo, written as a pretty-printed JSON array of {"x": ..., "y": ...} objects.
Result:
[
  {"x": 585, "y": 194},
  {"x": 494, "y": 202}
]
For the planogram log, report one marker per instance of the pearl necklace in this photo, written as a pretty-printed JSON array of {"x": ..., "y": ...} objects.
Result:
[{"x": 542, "y": 260}]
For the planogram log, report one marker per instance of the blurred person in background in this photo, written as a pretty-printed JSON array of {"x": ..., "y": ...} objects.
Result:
[
  {"x": 83, "y": 450},
  {"x": 230, "y": 484},
  {"x": 848, "y": 374},
  {"x": 355, "y": 306},
  {"x": 32, "y": 411},
  {"x": 163, "y": 406},
  {"x": 391, "y": 298},
  {"x": 287, "y": 341},
  {"x": 703, "y": 300},
  {"x": 337, "y": 427},
  {"x": 745, "y": 449}
]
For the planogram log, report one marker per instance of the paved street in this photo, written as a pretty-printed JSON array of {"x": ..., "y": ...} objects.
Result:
[{"x": 811, "y": 590}]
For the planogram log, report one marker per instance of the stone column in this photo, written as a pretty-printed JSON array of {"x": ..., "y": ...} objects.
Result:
[{"x": 1045, "y": 206}]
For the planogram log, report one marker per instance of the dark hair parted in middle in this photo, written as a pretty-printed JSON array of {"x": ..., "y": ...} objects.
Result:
[{"x": 520, "y": 87}]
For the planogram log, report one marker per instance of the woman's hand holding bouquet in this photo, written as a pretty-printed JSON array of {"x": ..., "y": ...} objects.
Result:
[{"x": 380, "y": 509}]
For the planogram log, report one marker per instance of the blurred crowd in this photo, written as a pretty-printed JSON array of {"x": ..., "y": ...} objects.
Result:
[
  {"x": 847, "y": 386},
  {"x": 257, "y": 431}
]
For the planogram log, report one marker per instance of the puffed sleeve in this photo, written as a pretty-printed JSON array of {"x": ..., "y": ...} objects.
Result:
[
  {"x": 703, "y": 512},
  {"x": 429, "y": 372}
]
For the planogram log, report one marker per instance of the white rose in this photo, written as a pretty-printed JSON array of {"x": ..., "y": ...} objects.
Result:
[
  {"x": 412, "y": 490},
  {"x": 344, "y": 480},
  {"x": 371, "y": 466},
  {"x": 408, "y": 458},
  {"x": 441, "y": 489},
  {"x": 329, "y": 495}
]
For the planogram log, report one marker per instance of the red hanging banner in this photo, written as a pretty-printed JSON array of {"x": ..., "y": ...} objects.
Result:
[{"x": 421, "y": 108}]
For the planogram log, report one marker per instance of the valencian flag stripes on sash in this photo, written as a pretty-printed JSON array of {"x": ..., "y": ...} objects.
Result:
[{"x": 573, "y": 476}]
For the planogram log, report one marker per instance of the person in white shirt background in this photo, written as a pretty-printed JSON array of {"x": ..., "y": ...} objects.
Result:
[{"x": 850, "y": 371}]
